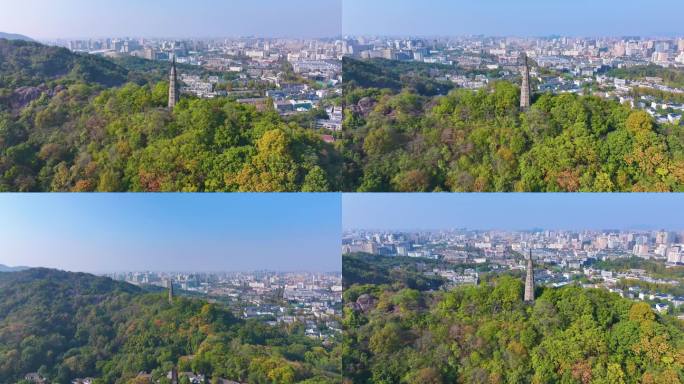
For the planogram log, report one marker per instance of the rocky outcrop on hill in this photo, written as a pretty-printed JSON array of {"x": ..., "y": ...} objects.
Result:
[
  {"x": 364, "y": 106},
  {"x": 363, "y": 303},
  {"x": 23, "y": 96}
]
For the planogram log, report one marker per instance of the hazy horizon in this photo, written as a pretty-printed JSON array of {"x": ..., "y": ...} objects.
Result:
[
  {"x": 511, "y": 18},
  {"x": 171, "y": 232},
  {"x": 511, "y": 211},
  {"x": 485, "y": 36},
  {"x": 530, "y": 229},
  {"x": 72, "y": 19},
  {"x": 113, "y": 271}
]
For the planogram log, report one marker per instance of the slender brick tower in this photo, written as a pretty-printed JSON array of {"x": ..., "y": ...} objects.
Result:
[
  {"x": 173, "y": 86},
  {"x": 170, "y": 283},
  {"x": 525, "y": 90},
  {"x": 529, "y": 280},
  {"x": 174, "y": 375}
]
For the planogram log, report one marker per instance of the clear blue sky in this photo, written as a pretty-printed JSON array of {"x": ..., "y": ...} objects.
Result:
[
  {"x": 513, "y": 211},
  {"x": 171, "y": 232},
  {"x": 512, "y": 17},
  {"x": 48, "y": 19}
]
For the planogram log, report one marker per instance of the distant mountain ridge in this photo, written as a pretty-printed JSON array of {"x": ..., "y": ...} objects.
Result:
[
  {"x": 5, "y": 268},
  {"x": 14, "y": 36},
  {"x": 29, "y": 64},
  {"x": 61, "y": 281}
]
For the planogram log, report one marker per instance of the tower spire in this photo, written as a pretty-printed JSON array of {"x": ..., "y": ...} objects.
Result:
[
  {"x": 529, "y": 280},
  {"x": 525, "y": 90},
  {"x": 173, "y": 85}
]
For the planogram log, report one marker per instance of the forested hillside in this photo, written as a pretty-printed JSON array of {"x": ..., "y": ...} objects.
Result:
[
  {"x": 24, "y": 63},
  {"x": 62, "y": 129},
  {"x": 394, "y": 75},
  {"x": 123, "y": 140},
  {"x": 359, "y": 269},
  {"x": 487, "y": 334},
  {"x": 409, "y": 140},
  {"x": 66, "y": 325},
  {"x": 670, "y": 76}
]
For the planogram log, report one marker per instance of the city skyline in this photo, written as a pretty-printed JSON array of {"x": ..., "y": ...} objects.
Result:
[
  {"x": 171, "y": 18},
  {"x": 513, "y": 212},
  {"x": 504, "y": 18},
  {"x": 171, "y": 232}
]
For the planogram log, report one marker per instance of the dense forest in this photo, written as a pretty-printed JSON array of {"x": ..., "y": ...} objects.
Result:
[
  {"x": 403, "y": 138},
  {"x": 362, "y": 268},
  {"x": 486, "y": 334},
  {"x": 395, "y": 76},
  {"x": 71, "y": 122},
  {"x": 66, "y": 325}
]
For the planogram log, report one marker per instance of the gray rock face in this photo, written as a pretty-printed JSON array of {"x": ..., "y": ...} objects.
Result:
[
  {"x": 364, "y": 303},
  {"x": 21, "y": 97},
  {"x": 364, "y": 106}
]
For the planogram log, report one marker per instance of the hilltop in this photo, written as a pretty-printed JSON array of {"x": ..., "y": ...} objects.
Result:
[
  {"x": 410, "y": 131},
  {"x": 77, "y": 122},
  {"x": 488, "y": 334},
  {"x": 67, "y": 325}
]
